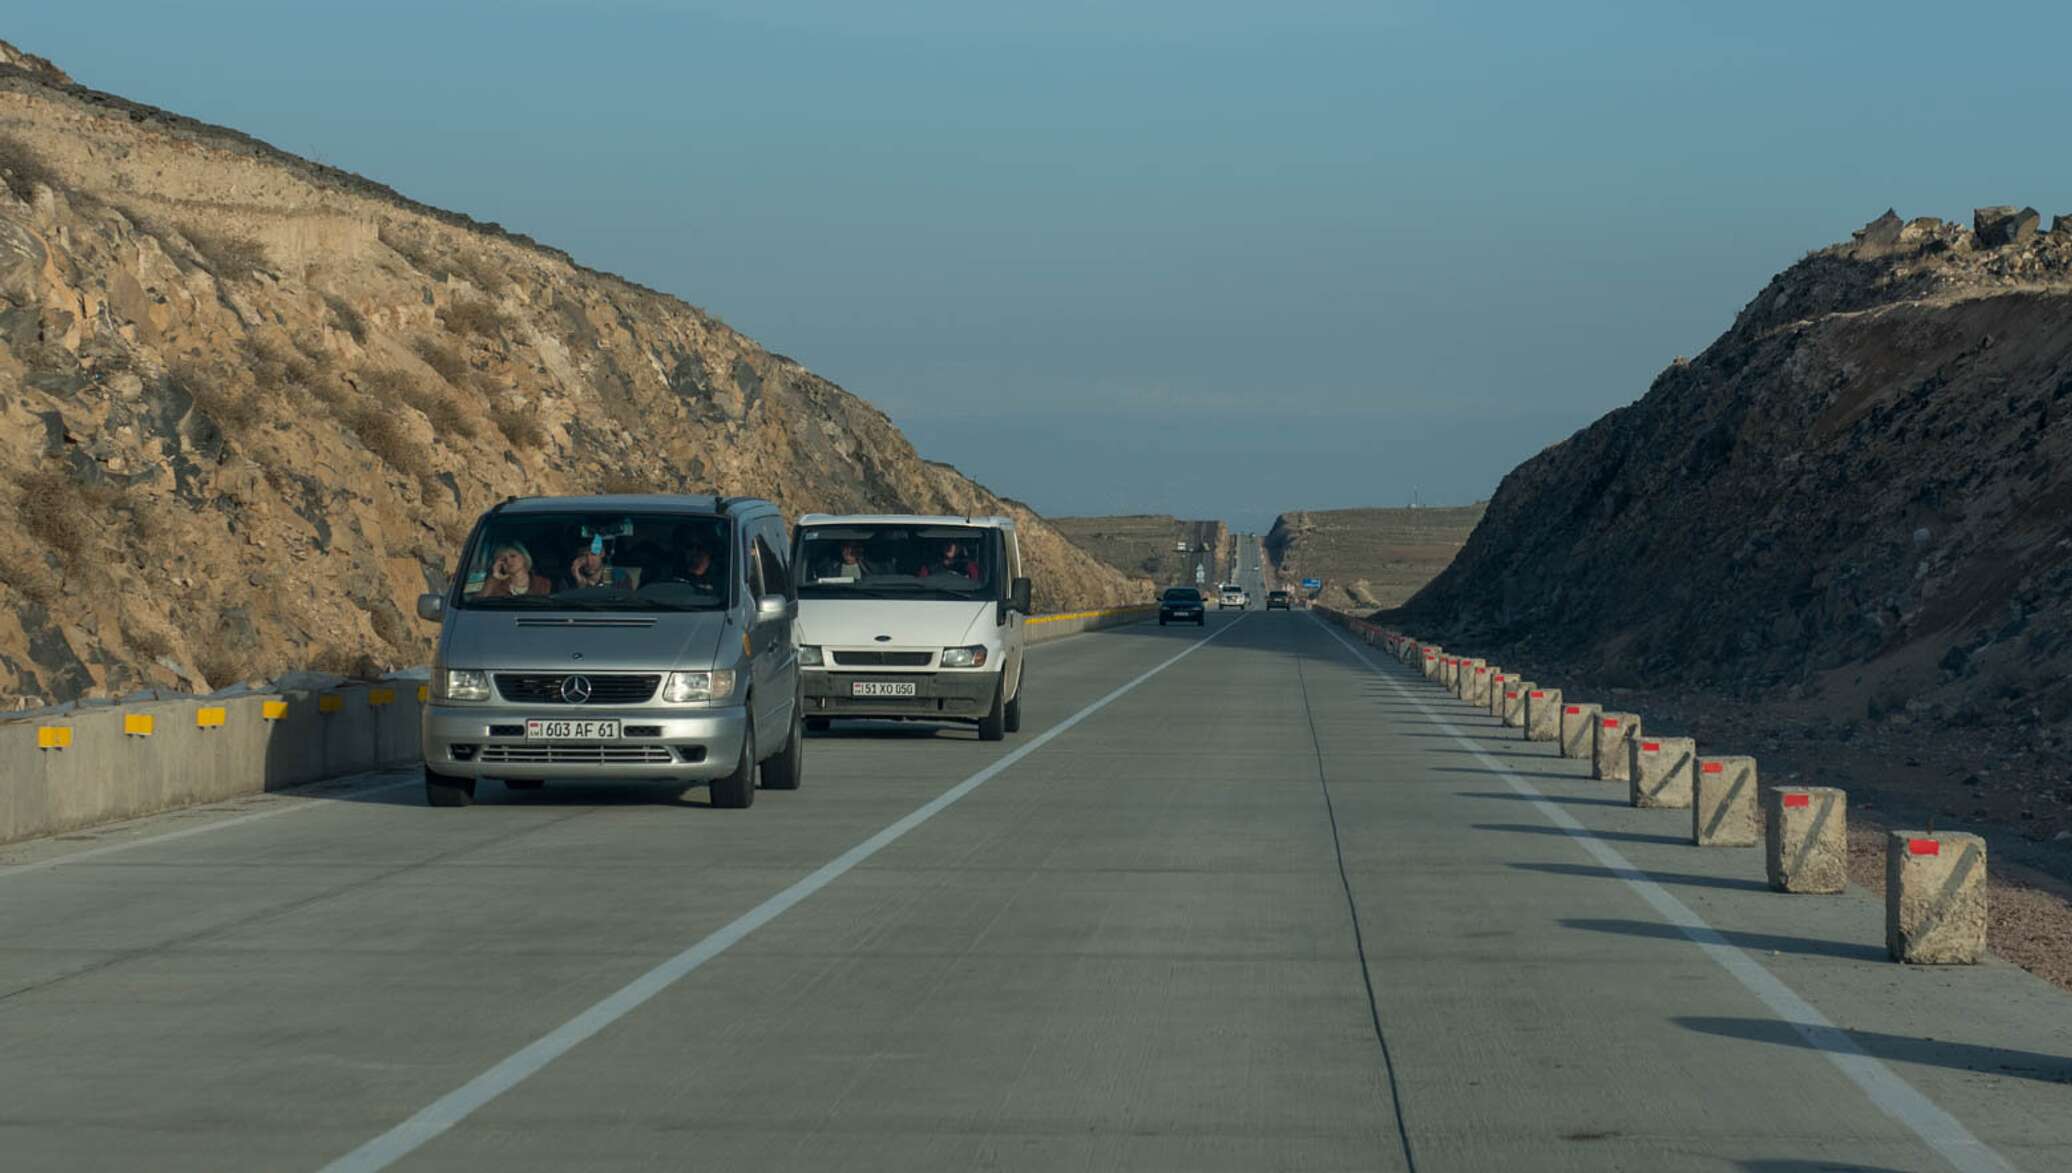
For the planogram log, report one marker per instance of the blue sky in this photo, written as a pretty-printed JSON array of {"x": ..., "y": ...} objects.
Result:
[{"x": 1208, "y": 258}]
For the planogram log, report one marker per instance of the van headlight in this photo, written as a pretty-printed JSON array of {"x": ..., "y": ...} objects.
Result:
[
  {"x": 967, "y": 657},
  {"x": 683, "y": 687},
  {"x": 462, "y": 684},
  {"x": 809, "y": 655}
]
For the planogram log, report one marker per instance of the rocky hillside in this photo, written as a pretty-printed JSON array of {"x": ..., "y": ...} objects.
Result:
[
  {"x": 1861, "y": 493},
  {"x": 249, "y": 404},
  {"x": 1146, "y": 545},
  {"x": 1368, "y": 557}
]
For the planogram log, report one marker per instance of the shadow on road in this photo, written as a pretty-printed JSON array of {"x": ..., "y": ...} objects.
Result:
[
  {"x": 1734, "y": 883},
  {"x": 1610, "y": 836},
  {"x": 1898, "y": 1048},
  {"x": 1799, "y": 1165},
  {"x": 1527, "y": 797},
  {"x": 1756, "y": 942}
]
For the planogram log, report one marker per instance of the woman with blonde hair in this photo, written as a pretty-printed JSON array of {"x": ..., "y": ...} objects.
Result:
[{"x": 510, "y": 573}]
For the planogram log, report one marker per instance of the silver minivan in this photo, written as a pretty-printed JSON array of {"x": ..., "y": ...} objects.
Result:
[{"x": 621, "y": 637}]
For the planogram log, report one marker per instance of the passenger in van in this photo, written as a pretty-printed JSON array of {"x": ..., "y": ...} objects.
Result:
[
  {"x": 951, "y": 561},
  {"x": 593, "y": 568},
  {"x": 849, "y": 566},
  {"x": 699, "y": 568},
  {"x": 510, "y": 573}
]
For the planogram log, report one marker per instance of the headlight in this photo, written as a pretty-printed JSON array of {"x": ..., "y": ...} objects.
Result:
[
  {"x": 463, "y": 684},
  {"x": 971, "y": 657},
  {"x": 809, "y": 655},
  {"x": 698, "y": 686}
]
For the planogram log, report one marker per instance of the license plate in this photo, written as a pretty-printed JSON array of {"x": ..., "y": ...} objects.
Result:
[
  {"x": 882, "y": 688},
  {"x": 549, "y": 729}
]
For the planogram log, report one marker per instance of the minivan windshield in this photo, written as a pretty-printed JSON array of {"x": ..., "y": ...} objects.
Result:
[
  {"x": 898, "y": 561},
  {"x": 598, "y": 561}
]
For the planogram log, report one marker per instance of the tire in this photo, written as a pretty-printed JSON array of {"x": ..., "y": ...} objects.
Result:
[
  {"x": 1201, "y": 620},
  {"x": 818, "y": 724},
  {"x": 993, "y": 726},
  {"x": 447, "y": 790},
  {"x": 1161, "y": 621},
  {"x": 1011, "y": 717},
  {"x": 525, "y": 783},
  {"x": 736, "y": 791},
  {"x": 788, "y": 768}
]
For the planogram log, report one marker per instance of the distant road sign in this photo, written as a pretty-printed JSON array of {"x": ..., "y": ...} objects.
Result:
[
  {"x": 1312, "y": 584},
  {"x": 1200, "y": 575}
]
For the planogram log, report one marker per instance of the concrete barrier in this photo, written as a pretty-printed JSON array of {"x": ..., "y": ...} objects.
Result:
[
  {"x": 1935, "y": 897},
  {"x": 1578, "y": 739},
  {"x": 1609, "y": 735},
  {"x": 1514, "y": 694},
  {"x": 1543, "y": 714},
  {"x": 1661, "y": 771},
  {"x": 1499, "y": 680},
  {"x": 1806, "y": 838},
  {"x": 1482, "y": 685},
  {"x": 1037, "y": 629},
  {"x": 1433, "y": 661},
  {"x": 1465, "y": 674},
  {"x": 1723, "y": 803}
]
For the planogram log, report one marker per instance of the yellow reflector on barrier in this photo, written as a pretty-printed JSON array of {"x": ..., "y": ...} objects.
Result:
[
  {"x": 381, "y": 696},
  {"x": 209, "y": 717},
  {"x": 273, "y": 710},
  {"x": 137, "y": 724},
  {"x": 424, "y": 693},
  {"x": 53, "y": 737},
  {"x": 330, "y": 702}
]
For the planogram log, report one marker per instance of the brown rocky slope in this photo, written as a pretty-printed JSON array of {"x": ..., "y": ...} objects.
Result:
[
  {"x": 249, "y": 405},
  {"x": 1856, "y": 504},
  {"x": 1368, "y": 557}
]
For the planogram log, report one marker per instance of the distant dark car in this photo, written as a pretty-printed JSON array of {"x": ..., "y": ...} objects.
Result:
[
  {"x": 1278, "y": 599},
  {"x": 1181, "y": 605}
]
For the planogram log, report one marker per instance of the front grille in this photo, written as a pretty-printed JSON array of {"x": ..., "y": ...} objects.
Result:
[
  {"x": 884, "y": 659},
  {"x": 574, "y": 753},
  {"x": 606, "y": 688}
]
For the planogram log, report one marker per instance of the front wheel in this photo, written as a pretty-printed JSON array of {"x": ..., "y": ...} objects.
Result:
[
  {"x": 1012, "y": 718},
  {"x": 993, "y": 726},
  {"x": 788, "y": 768},
  {"x": 447, "y": 790},
  {"x": 736, "y": 791}
]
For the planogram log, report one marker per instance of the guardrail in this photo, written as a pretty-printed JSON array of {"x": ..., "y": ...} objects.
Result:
[{"x": 104, "y": 763}]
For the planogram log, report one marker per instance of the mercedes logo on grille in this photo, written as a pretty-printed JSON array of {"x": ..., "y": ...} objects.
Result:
[{"x": 576, "y": 690}]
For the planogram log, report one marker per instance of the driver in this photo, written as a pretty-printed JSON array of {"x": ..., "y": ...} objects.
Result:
[
  {"x": 850, "y": 566},
  {"x": 952, "y": 560}
]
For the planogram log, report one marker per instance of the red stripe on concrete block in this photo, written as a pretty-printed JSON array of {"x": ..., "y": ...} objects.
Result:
[
  {"x": 1715, "y": 767},
  {"x": 1798, "y": 800},
  {"x": 1537, "y": 695},
  {"x": 1611, "y": 722},
  {"x": 1651, "y": 747},
  {"x": 1575, "y": 710},
  {"x": 1923, "y": 847}
]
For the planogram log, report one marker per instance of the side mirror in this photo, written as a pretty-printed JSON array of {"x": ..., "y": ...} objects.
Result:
[
  {"x": 1018, "y": 595},
  {"x": 431, "y": 608},
  {"x": 771, "y": 608}
]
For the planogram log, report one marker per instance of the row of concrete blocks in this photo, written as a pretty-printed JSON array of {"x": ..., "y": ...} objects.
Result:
[{"x": 1935, "y": 882}]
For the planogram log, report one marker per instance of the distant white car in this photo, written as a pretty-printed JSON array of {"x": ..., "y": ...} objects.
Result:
[{"x": 1233, "y": 596}]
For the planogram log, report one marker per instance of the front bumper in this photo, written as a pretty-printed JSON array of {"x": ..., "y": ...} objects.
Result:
[
  {"x": 938, "y": 696},
  {"x": 1180, "y": 615},
  {"x": 665, "y": 744}
]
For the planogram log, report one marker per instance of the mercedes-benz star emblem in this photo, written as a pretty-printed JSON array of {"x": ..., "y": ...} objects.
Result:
[{"x": 576, "y": 690}]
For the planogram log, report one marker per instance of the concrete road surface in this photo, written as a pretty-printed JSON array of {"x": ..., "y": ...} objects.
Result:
[{"x": 1240, "y": 899}]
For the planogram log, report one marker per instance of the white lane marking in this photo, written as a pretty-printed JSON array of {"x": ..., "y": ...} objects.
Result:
[
  {"x": 457, "y": 1105},
  {"x": 1893, "y": 1095},
  {"x": 308, "y": 801}
]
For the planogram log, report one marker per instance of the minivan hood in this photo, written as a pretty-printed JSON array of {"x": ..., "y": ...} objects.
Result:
[
  {"x": 911, "y": 623},
  {"x": 597, "y": 641}
]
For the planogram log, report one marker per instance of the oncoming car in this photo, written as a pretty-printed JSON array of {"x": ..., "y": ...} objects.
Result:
[
  {"x": 1233, "y": 596},
  {"x": 912, "y": 618},
  {"x": 1278, "y": 599},
  {"x": 1181, "y": 605},
  {"x": 623, "y": 637}
]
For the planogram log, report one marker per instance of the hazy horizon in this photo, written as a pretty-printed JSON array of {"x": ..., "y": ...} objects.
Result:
[{"x": 1206, "y": 259}]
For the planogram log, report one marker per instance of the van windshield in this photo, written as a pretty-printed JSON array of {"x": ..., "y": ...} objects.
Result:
[
  {"x": 585, "y": 561},
  {"x": 898, "y": 561}
]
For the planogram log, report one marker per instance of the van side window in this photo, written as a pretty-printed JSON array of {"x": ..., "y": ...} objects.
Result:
[
  {"x": 774, "y": 573},
  {"x": 754, "y": 572}
]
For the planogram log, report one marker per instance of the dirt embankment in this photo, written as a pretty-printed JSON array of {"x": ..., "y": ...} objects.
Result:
[
  {"x": 1148, "y": 546},
  {"x": 1368, "y": 557},
  {"x": 249, "y": 405},
  {"x": 1843, "y": 532}
]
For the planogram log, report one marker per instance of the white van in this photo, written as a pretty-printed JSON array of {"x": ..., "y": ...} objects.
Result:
[{"x": 911, "y": 618}]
